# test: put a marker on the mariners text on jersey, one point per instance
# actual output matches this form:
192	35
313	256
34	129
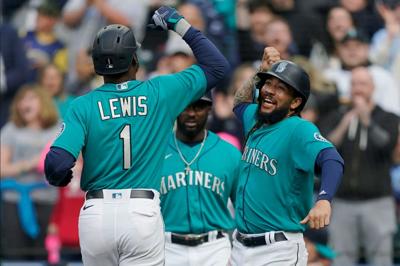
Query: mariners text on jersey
260	159
123	106
195	178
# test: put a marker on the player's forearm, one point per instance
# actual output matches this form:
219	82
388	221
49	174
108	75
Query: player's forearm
332	166
58	165
209	58
245	93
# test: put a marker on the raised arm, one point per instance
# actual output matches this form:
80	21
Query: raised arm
245	93
209	58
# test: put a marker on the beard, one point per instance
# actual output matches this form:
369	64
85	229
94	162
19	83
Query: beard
191	133
273	117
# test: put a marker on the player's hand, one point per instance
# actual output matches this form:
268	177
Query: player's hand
270	56
165	18
319	216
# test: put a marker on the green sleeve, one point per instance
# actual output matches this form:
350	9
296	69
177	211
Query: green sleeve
180	89
73	130
249	118
307	142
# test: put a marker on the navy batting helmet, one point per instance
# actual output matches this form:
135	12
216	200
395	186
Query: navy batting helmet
289	73
114	49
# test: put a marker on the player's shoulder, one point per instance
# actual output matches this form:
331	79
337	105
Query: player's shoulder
193	69
300	122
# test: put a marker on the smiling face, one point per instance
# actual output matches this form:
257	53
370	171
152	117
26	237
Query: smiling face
277	100
29	107
339	23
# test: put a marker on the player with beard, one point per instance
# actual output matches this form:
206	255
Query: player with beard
282	154
199	176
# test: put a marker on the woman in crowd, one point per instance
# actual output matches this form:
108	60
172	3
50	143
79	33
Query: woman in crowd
26	199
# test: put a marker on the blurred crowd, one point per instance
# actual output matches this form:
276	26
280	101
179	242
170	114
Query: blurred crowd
350	48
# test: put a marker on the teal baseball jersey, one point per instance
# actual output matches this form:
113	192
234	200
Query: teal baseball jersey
277	174
196	202
122	129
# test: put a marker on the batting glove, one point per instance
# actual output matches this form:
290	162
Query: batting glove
167	18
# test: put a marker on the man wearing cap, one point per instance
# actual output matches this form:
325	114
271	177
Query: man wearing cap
282	154
199	176
353	52
42	45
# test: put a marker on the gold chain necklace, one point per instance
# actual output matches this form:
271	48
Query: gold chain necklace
188	164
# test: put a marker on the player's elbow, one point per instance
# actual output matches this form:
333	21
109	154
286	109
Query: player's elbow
222	70
57	167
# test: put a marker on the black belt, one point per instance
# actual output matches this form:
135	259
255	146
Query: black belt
135	193
193	240
254	241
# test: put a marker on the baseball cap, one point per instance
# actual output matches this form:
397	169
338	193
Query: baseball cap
206	97
356	34
49	8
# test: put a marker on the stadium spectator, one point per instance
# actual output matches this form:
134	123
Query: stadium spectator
386	42
279	35
13	68
85	17
252	19
62	240
220	26
364	15
364	208
305	26
338	22
42	44
51	80
25	195
353	52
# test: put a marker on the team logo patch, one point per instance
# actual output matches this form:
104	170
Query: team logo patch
319	137
122	86
61	130
281	67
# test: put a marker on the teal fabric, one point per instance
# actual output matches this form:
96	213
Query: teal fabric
196	202
122	129
277	174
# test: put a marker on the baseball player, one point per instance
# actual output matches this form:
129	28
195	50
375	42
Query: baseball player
199	175
122	129
275	189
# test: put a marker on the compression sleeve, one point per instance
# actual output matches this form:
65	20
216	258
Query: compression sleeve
58	165
331	166
209	58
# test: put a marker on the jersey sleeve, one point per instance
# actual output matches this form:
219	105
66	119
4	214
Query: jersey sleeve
180	89
72	134
307	142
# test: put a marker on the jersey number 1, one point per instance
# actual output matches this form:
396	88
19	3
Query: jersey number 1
125	135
